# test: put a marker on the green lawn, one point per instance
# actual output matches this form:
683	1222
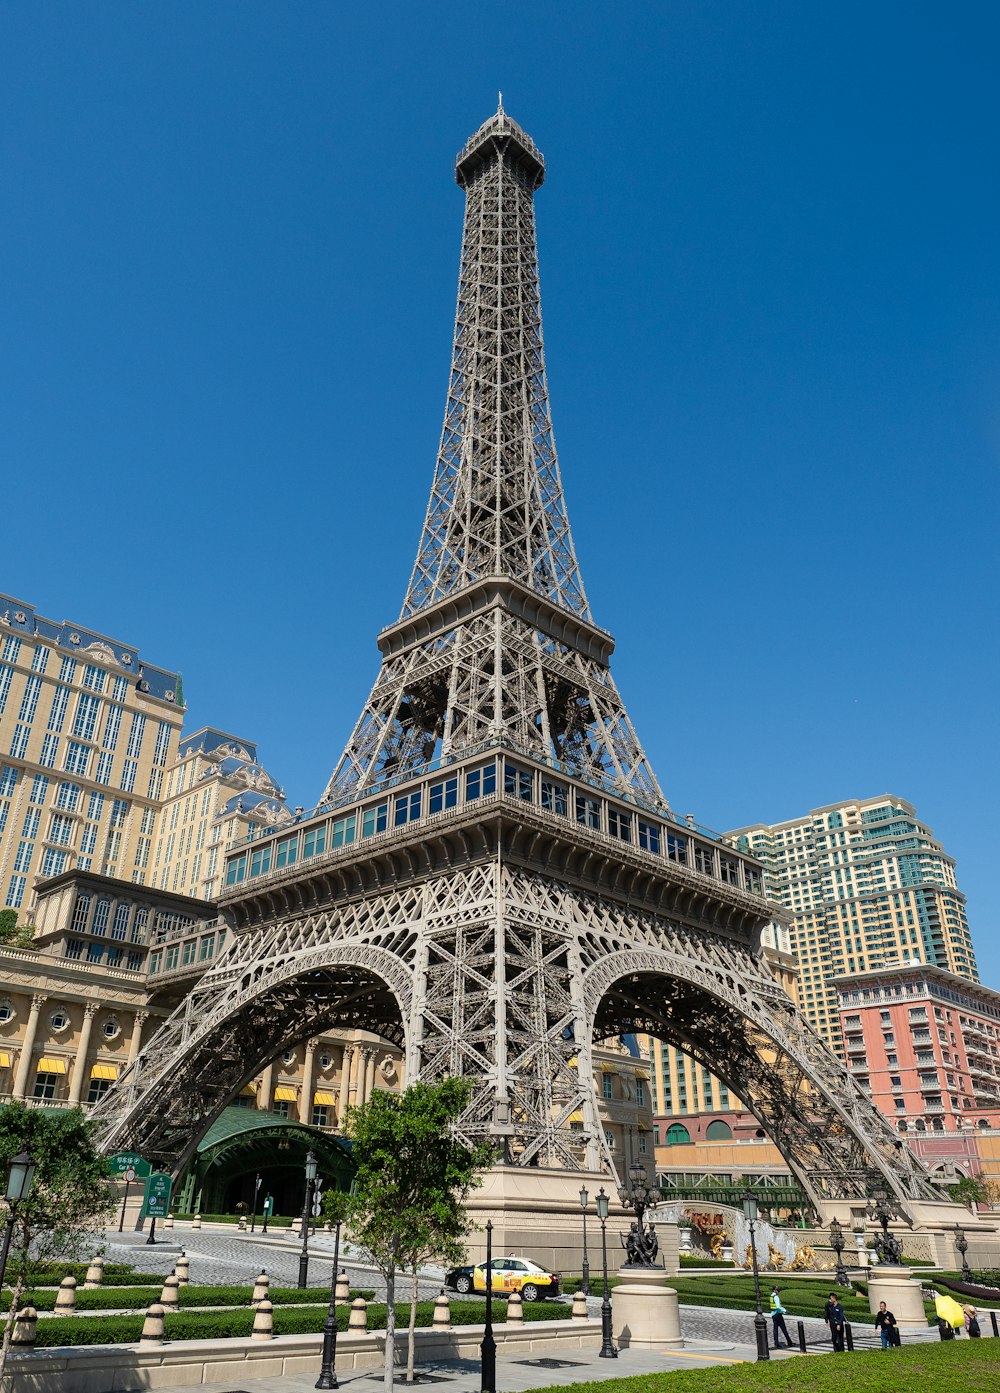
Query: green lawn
966	1366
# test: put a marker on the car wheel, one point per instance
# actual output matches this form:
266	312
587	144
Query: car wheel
529	1292
463	1284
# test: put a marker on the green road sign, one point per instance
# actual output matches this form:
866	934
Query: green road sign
269	1206
129	1166
156	1199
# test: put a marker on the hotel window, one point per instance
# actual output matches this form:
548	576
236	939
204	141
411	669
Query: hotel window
135	734
314	842
729	870
407	808
15	891
6	677
97	1090
374	820
11	648
162	746
188	952
95	807
119	929
102	911
286	852
649	836
85	719
444	795
120	690
677	849
19	744
642	1142
80	911
61	829
344	828
206	948
320	1116
68	797
8	780
112	726
40	660
555	798
516	781
77	759
236	869
260	860
588	811
22	858
94	678
29	702
119	812
640	1092
53	862
171	956
45	1085
480	783
620	824
88	842
67	670
129	770
39	789
704	860
607	1086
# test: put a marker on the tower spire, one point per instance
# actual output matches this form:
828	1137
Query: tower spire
495	641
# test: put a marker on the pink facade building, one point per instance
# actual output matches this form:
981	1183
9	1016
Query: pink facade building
926	1045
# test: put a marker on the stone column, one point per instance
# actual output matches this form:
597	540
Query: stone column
80	1071
266	1092
27	1046
369	1073
136	1041
345	1082
308	1071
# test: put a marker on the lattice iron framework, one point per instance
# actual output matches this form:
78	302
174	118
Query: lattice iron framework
536	894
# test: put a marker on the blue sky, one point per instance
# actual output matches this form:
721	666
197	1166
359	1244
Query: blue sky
228	252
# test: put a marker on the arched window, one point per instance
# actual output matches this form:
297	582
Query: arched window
901	1125
101	914
983	1122
718	1131
677	1134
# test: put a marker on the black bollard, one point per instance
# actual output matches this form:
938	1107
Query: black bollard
993	1322
802	1337
849	1336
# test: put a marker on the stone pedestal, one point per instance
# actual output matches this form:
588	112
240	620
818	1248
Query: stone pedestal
901	1294
646	1313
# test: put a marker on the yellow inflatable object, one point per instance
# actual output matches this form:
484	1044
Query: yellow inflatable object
949	1310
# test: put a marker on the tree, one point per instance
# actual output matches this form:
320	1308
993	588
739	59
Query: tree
71	1196
13	935
407	1203
972	1190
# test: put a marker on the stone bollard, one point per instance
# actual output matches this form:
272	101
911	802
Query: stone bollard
515	1309
182	1269
359	1314
168	1296
342	1294
242	1225
196	1222
442	1312
579	1306
168	1222
261	1287
295	1227
263	1322
66	1295
95	1274
152	1326
24	1327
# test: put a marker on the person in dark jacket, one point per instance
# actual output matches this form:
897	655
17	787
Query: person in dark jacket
885	1324
833	1314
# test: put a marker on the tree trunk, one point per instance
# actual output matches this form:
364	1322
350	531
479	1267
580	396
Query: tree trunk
8	1330
390	1324
410	1337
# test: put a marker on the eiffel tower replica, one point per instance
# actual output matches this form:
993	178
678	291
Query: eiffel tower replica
494	880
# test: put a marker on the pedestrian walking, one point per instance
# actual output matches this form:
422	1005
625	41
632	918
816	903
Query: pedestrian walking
833	1314
971	1321
885	1324
778	1313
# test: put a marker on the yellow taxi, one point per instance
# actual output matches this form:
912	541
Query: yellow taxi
517	1274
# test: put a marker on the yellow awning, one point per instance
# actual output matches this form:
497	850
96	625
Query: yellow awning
572	1063
608	1069
4	1060
326	1100
51	1066
284	1095
576	1117
642	1074
104	1071
248	1091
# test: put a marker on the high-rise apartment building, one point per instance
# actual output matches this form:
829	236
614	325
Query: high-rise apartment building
87	732
866	884
216	793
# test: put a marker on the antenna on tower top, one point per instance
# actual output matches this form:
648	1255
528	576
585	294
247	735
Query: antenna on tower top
499	101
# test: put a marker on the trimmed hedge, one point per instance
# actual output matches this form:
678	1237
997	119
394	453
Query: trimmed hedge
220	1325
138	1298
116	1274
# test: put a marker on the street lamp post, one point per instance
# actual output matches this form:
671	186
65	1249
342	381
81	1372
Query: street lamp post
256	1192
306	1215
328	1374
837	1242
267	1212
641	1245
880	1209
20	1173
488	1348
759	1322
584	1200
962	1244
608	1350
